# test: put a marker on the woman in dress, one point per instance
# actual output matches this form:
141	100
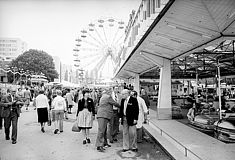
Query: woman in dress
85	115
42	106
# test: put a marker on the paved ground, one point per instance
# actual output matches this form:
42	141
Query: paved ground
34	145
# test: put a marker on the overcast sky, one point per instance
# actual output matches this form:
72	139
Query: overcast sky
52	25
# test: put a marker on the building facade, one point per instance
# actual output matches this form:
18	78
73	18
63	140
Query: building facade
10	48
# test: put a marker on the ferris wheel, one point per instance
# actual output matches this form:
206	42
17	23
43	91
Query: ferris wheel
98	47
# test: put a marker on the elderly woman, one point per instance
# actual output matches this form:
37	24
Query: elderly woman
104	114
42	105
85	115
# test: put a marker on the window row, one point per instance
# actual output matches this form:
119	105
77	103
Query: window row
7	45
8	40
8	49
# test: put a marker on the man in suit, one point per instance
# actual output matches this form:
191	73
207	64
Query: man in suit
129	113
104	114
10	113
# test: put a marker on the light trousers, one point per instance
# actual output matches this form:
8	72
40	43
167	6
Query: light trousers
129	136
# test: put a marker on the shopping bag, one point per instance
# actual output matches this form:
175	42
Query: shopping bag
75	127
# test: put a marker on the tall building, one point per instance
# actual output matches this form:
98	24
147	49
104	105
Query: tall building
10	48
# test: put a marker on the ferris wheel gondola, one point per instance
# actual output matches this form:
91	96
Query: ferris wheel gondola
98	47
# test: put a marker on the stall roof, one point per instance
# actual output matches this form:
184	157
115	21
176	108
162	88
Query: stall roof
182	28
203	63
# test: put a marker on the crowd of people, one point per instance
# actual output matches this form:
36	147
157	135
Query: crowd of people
111	106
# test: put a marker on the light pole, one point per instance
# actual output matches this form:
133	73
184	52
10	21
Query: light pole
13	70
26	78
21	72
219	91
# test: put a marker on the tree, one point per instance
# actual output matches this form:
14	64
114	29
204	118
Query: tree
37	62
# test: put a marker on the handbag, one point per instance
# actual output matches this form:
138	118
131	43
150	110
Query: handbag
75	127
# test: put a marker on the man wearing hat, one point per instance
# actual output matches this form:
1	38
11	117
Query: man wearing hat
10	113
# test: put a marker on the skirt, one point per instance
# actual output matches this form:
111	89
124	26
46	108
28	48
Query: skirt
85	119
42	115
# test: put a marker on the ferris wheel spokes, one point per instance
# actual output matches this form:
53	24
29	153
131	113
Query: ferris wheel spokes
101	62
90	55
88	63
101	43
99	47
115	35
99	36
89	49
90	43
105	36
116	42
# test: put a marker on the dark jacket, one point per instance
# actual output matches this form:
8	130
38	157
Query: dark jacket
105	108
90	105
132	110
7	107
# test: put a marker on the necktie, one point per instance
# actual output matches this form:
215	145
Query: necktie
116	97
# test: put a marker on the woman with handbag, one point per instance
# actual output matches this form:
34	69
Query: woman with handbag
85	115
42	106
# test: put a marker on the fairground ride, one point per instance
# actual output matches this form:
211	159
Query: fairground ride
98	49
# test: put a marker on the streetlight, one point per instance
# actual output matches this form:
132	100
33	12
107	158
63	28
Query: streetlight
219	91
21	72
26	78
13	70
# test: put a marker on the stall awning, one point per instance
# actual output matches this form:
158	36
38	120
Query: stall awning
182	28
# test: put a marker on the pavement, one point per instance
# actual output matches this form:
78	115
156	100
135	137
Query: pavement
32	144
184	142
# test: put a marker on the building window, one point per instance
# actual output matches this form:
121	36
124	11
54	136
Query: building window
158	3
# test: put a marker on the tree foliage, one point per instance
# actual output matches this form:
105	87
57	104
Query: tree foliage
37	62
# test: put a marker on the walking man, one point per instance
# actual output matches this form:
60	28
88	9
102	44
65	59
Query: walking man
129	113
69	98
59	107
27	96
10	113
